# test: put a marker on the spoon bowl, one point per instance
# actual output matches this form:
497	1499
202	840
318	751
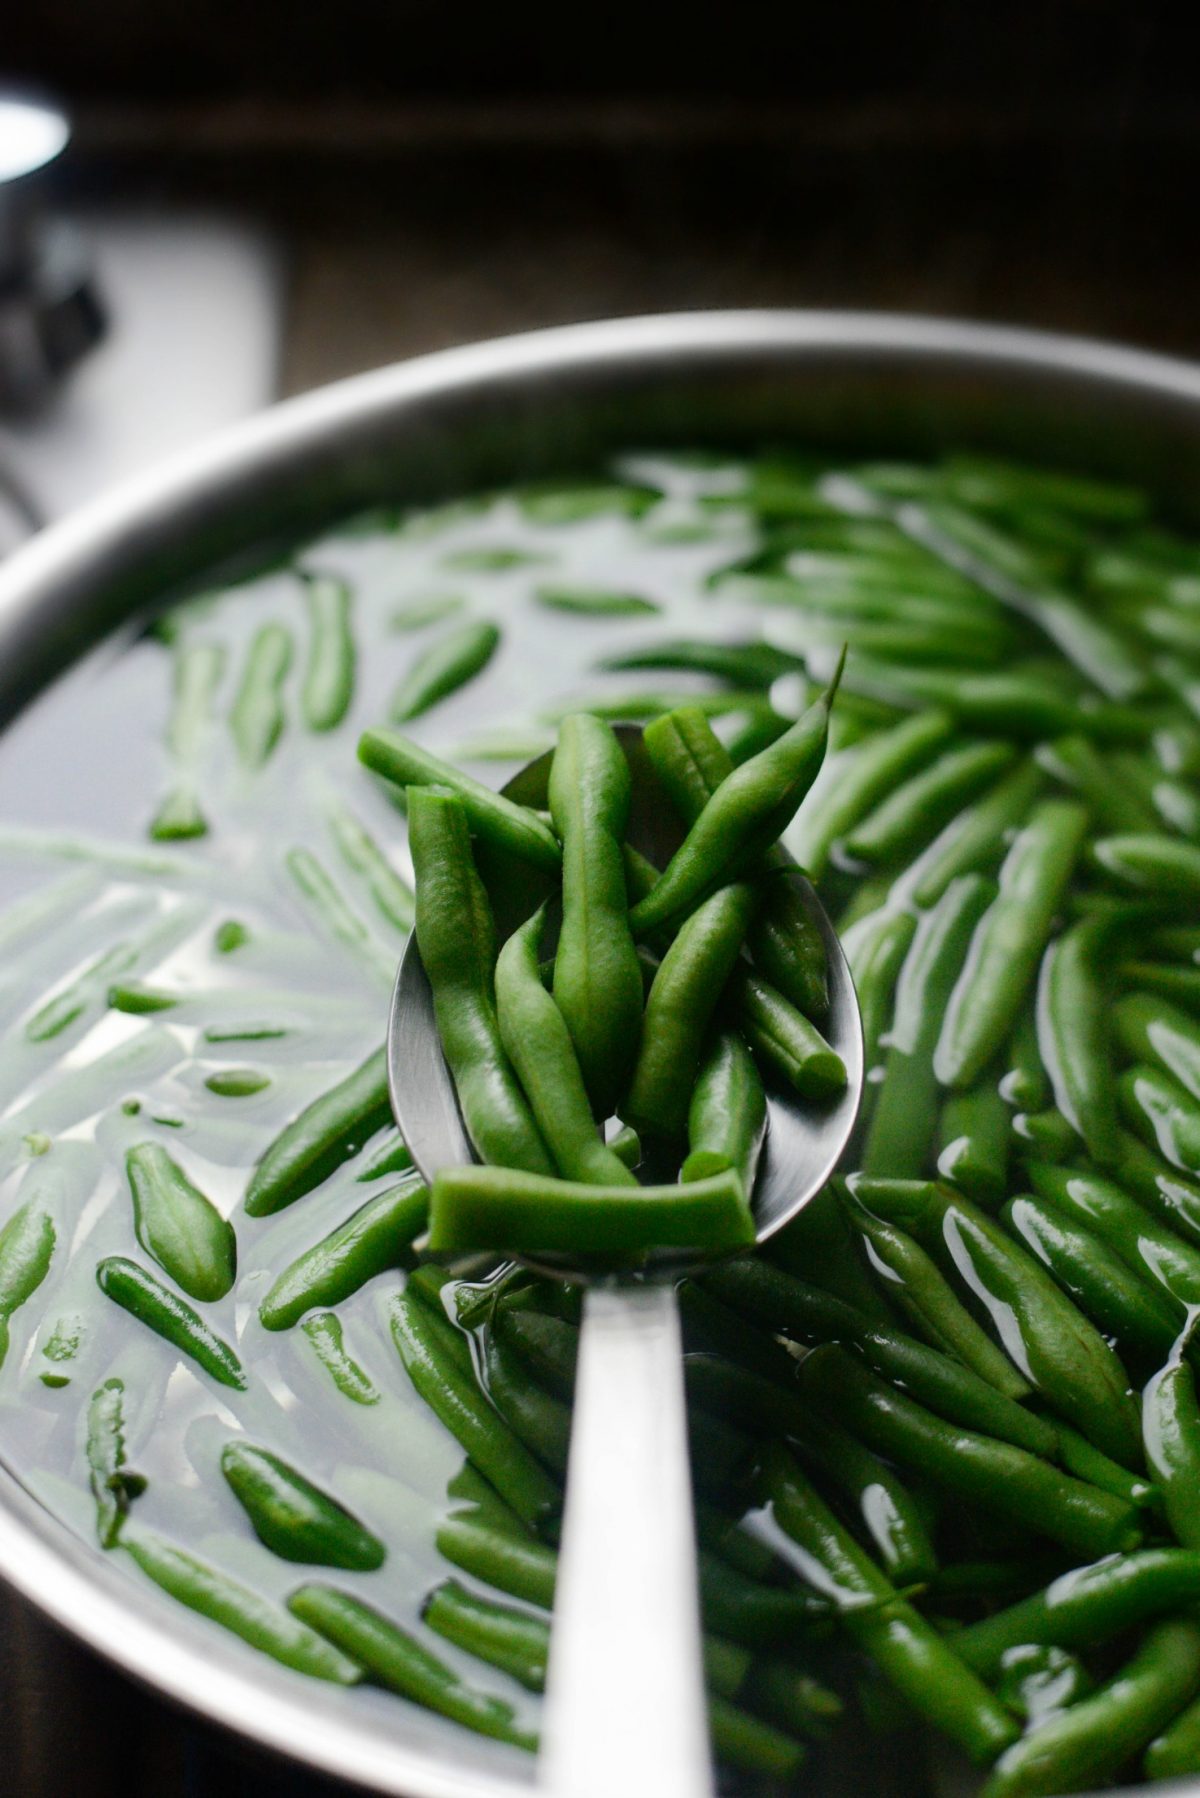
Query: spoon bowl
803	1144
625	1703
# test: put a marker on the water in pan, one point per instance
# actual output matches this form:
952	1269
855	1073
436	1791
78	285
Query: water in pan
294	996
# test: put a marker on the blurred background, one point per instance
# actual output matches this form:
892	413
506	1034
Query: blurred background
271	197
255	199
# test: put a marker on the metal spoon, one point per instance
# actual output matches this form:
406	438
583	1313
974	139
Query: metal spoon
625	1708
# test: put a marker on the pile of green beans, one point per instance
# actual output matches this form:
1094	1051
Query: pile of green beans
540	1073
944	1432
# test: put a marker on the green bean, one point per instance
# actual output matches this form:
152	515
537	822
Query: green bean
1179	985
155	1305
177	1225
974	841
114	1484
294	1518
743	1741
683	996
887	1510
390	1156
1088	1606
1073	1036
1151	1249
1038	1681
819	1241
1176	1751
495	1207
597	979
516	1565
328	683
925	1298
908	1651
504	745
1064	1358
912	814
491	816
783	1038
455	1398
327	1132
743	818
1166	1117
372	1239
558	502
397	1660
978	1469
898	1136
717	1328
1146	863
255	1619
1171	1432
1046	1134
973	1130
1166	627
596	602
324	1330
331	910
535	1036
690	762
876	948
1095	1276
1152	1031
626	1145
257	718
393	897
515	1641
444	667
457	941
27	1244
519	1644
864	595
1085	1461
1089	1742
1025	1086
237	1083
1008	942
229	936
549	1346
1168	801
985	481
430	608
729	1543
1173	1200
69	1002
197	672
1004	567
727	1113
797	1309
1076	764
138	999
742	664
734	1605
867	775
656	702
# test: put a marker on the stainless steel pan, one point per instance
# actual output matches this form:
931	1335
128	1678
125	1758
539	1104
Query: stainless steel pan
503	411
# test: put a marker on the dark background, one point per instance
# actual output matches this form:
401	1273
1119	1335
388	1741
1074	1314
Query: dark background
440	172
437	172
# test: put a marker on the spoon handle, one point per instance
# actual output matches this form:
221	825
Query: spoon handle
625	1707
